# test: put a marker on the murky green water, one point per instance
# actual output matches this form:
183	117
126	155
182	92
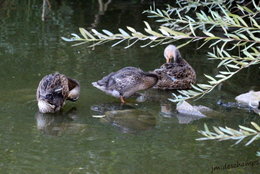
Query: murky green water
139	138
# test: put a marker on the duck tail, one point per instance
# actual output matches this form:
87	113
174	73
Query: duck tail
151	74
95	84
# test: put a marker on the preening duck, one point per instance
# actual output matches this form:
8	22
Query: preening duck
125	82
176	73
54	90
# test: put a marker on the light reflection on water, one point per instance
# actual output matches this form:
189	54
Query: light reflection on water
146	136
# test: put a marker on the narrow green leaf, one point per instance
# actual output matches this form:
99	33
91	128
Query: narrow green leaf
248	54
256	126
220	76
209	77
67	39
242	21
233	66
164	32
247	129
139	35
153	33
209	34
241	139
204	86
80	43
86	34
108	33
147	25
242	36
226	131
174	33
118	42
232	36
252	139
99	34
206	127
131	29
123	32
192	29
196	88
218	131
194	93
202	139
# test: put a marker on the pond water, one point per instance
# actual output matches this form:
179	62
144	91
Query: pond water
134	138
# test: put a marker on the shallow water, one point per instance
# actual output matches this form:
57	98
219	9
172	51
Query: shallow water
145	141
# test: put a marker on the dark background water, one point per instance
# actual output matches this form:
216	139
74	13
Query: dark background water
143	141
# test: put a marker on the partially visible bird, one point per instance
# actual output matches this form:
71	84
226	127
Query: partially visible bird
176	73
125	82
54	90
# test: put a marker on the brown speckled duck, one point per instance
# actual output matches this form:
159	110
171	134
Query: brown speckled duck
54	90
176	73
126	82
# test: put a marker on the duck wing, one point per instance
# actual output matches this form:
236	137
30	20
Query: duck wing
53	83
105	80
175	76
181	72
123	80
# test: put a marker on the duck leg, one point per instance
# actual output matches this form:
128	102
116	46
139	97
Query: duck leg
122	99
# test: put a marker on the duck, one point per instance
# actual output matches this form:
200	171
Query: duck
176	73
53	90
126	82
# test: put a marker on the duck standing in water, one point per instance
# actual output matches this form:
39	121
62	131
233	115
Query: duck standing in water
176	73
126	82
54	90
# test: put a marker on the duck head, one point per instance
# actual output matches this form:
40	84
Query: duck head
51	102
171	53
74	89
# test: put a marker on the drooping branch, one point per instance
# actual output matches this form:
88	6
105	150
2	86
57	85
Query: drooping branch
221	133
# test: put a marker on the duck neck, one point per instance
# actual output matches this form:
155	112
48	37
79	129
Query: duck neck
178	59
152	76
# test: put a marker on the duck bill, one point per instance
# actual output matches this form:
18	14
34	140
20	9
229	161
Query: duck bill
168	60
45	107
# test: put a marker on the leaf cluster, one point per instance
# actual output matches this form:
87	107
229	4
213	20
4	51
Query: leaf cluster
226	133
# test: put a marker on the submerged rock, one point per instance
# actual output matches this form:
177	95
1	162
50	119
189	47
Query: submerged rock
188	113
186	109
250	99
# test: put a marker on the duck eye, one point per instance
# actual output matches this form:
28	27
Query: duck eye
49	96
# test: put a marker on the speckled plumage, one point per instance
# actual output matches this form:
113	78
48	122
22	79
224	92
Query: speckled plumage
54	90
177	74
126	82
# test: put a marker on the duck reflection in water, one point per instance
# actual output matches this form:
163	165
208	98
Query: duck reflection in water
125	117
57	124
